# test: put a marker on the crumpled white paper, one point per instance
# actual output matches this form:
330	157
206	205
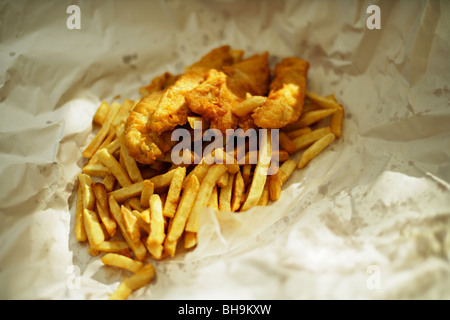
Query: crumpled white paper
368	219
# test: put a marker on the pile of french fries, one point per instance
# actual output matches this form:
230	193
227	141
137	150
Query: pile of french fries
126	210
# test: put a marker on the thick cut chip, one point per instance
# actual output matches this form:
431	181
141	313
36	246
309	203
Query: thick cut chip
173	195
315	149
130	163
142	277
260	174
137	247
103	132
238	192
147	191
114	166
121	261
323	102
183	210
80	232
226	193
86	189
309	138
131	224
102	206
156	237
212	176
286	169
94	230
102	113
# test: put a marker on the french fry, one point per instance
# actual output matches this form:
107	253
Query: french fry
80	232
260	174
298	132
238	192
323	102
86	189
181	215
93	228
142	277
109	182
131	224
264	200
226	193
199	171
147	190
212	176
190	239
283	155
223	181
143	224
213	201
309	106
286	169
336	122
112	246
102	133
145	214
128	192
95	169
309	138
102	113
230	161
246	173
120	261
102	206
123	113
275	186
248	105
314	116
135	204
316	148
162	180
113	165
173	195
130	164
286	143
156	237
137	247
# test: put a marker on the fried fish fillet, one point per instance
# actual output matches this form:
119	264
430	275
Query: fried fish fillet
215	98
172	109
286	97
144	145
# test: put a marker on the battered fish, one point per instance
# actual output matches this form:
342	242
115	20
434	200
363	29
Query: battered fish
215	98
142	144
172	109
286	97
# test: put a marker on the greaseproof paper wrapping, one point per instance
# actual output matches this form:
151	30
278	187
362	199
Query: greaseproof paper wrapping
368	219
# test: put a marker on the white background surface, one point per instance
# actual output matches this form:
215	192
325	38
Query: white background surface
368	219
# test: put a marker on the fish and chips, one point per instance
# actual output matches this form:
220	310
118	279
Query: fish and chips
135	201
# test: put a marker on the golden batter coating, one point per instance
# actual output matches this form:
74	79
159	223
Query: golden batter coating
142	144
172	109
286	97
215	98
